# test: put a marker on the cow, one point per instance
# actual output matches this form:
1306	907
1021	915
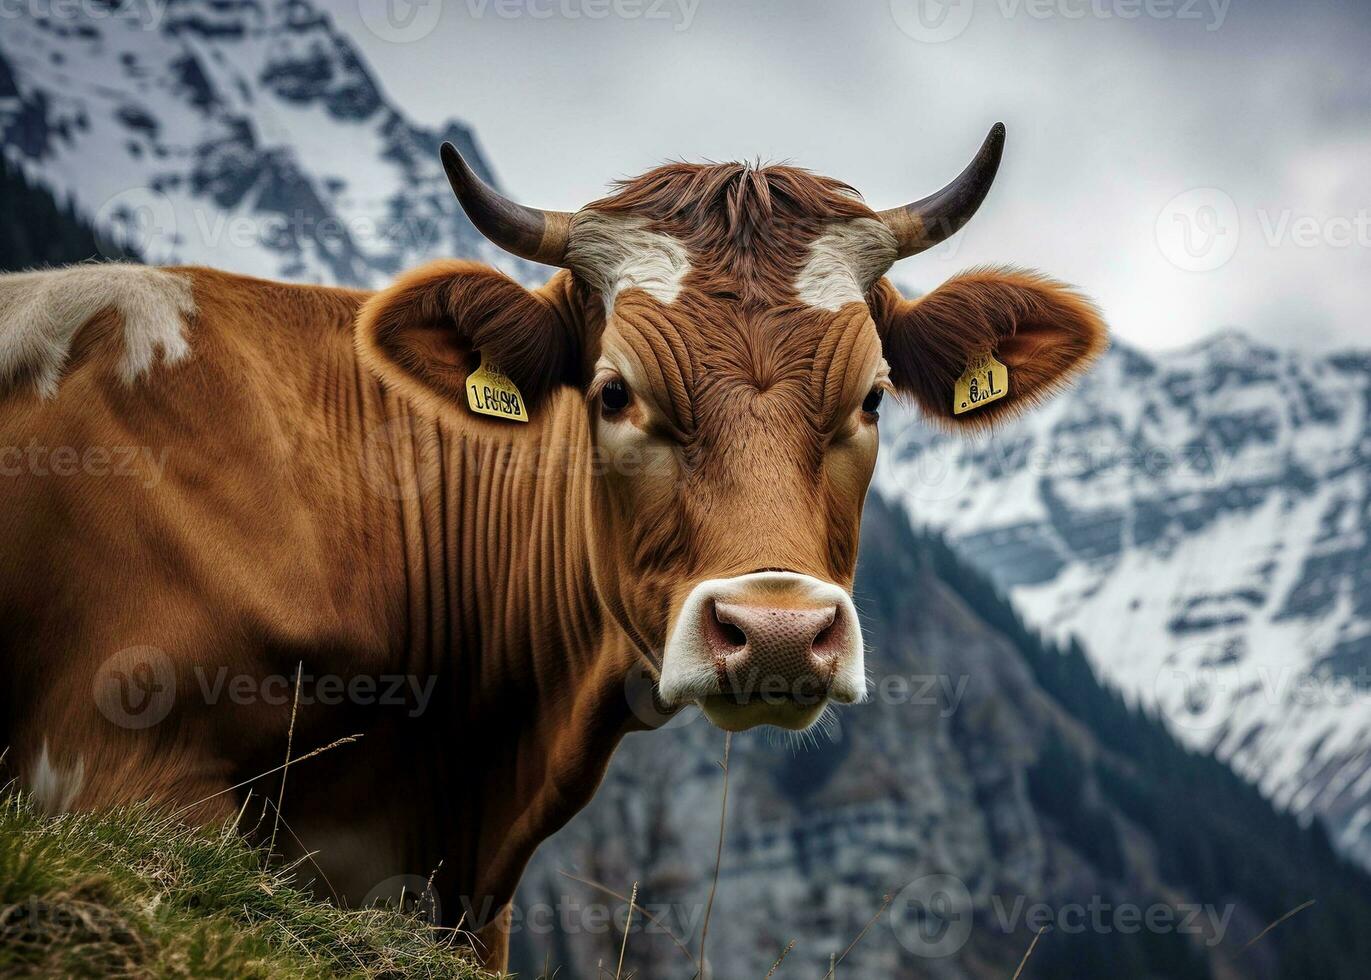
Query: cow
457	516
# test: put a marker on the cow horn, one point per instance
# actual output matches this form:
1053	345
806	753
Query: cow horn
935	218
540	236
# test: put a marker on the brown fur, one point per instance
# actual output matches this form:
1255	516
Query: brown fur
330	500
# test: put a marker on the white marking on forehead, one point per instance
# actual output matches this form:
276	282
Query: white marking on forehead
843	263
613	253
41	313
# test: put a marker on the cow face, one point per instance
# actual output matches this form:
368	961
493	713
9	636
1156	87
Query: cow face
734	341
737	424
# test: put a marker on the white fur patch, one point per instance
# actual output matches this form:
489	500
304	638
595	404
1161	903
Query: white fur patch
41	313
615	253
843	263
688	668
53	788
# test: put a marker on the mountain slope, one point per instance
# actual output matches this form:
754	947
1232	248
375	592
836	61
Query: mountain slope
242	134
991	786
1200	518
38	232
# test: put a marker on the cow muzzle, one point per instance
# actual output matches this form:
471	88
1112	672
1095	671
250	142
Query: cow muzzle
768	648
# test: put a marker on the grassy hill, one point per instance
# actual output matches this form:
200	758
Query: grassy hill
131	894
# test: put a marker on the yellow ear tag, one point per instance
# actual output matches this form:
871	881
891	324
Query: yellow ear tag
490	392
985	380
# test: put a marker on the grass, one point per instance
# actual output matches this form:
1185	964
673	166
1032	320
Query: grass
132	894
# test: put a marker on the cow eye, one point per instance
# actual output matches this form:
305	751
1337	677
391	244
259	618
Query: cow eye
873	400
613	397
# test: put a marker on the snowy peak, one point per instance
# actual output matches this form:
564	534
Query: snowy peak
246	135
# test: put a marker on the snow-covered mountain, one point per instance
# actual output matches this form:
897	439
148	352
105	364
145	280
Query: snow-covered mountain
245	134
1199	519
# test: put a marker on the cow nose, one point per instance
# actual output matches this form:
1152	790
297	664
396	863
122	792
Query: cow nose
766	648
775	633
763	650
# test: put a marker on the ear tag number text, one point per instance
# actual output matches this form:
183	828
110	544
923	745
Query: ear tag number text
491	392
985	380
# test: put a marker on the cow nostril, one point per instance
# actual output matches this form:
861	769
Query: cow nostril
825	638
732	634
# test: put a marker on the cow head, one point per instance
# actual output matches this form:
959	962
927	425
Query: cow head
733	336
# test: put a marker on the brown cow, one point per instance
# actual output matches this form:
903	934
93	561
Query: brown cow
219	491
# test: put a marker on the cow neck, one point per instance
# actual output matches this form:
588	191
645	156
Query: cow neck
490	533
498	579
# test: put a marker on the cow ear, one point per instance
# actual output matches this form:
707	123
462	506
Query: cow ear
1042	331
436	324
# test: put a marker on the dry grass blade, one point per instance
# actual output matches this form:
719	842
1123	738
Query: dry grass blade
346	740
308	855
628	922
645	913
285	771
777	965
1029	952
231	828
718	854
833	967
1296	910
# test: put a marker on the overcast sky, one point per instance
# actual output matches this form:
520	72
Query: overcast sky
1192	164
